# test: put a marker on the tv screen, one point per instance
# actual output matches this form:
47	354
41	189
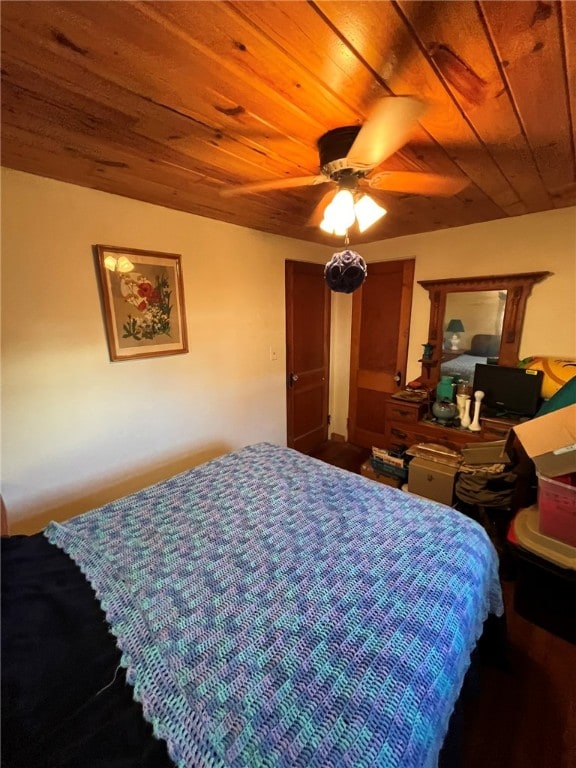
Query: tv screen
514	392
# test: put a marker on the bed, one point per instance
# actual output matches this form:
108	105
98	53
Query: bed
482	347
265	609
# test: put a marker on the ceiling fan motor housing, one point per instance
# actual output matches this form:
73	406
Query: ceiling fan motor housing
334	147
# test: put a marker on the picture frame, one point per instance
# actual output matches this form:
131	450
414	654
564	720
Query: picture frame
143	302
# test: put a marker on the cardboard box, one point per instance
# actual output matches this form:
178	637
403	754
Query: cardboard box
367	470
486	453
550	441
436	453
432	480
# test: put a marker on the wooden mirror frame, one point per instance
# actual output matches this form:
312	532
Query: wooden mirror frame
518	288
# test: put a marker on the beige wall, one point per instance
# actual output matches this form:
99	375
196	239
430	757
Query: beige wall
533	243
79	430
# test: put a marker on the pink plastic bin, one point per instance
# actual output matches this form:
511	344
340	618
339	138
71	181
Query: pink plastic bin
557	507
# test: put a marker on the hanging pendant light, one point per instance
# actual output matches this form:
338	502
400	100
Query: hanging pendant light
346	271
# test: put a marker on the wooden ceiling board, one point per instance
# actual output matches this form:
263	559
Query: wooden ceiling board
172	102
444	121
568	11
481	94
528	40
241	57
199	87
74	134
63	107
326	56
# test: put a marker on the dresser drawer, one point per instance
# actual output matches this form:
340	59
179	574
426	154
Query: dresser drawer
400	434
398	411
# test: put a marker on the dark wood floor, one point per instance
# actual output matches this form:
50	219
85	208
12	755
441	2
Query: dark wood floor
524	714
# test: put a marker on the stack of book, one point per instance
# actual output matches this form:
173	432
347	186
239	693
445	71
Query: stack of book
387	463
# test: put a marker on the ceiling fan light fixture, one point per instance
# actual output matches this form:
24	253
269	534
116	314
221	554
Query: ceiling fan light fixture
344	210
368	212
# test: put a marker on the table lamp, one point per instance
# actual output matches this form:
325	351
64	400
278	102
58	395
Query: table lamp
455	327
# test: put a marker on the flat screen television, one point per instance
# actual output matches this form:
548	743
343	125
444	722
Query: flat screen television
514	392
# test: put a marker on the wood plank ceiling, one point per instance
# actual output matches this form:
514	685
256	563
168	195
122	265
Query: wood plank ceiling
172	102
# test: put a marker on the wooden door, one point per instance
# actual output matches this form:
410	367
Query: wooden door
307	355
380	332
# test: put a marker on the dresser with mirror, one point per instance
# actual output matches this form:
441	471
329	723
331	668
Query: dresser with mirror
472	320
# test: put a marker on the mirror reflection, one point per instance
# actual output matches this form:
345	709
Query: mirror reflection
472	331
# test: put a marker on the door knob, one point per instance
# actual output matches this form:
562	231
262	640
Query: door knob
292	379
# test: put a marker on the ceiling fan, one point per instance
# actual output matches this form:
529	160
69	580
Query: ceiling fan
349	154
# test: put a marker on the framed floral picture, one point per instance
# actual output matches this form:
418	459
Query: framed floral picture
143	302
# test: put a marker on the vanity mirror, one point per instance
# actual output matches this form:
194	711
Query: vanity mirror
475	320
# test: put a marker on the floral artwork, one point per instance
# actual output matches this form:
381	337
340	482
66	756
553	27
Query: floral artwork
143	300
152	303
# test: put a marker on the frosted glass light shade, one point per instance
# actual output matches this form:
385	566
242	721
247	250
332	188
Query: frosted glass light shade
368	212
343	211
122	264
330	228
339	215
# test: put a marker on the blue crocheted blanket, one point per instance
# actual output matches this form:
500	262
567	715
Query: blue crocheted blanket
276	611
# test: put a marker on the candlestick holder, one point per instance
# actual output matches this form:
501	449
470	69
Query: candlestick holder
475	426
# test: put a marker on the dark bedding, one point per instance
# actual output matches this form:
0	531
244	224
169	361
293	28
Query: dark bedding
65	702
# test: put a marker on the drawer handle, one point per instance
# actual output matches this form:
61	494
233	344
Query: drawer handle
397	432
403	413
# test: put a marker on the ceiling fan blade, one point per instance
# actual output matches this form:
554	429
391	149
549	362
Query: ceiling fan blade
387	128
318	212
412	182
263	186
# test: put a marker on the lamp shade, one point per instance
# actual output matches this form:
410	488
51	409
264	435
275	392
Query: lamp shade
367	212
339	215
455	326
